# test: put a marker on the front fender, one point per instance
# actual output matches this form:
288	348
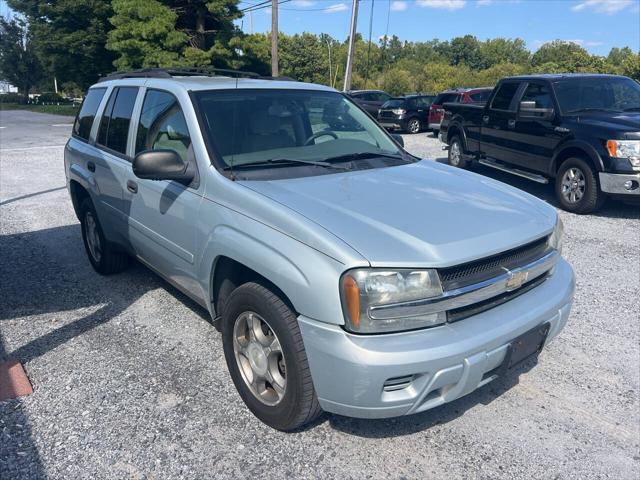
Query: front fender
307	277
581	145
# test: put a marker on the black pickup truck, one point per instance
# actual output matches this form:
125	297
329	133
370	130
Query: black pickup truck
583	130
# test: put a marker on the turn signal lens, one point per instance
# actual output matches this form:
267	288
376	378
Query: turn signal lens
352	300
611	146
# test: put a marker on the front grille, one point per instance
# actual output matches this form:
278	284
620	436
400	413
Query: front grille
386	114
490	267
476	308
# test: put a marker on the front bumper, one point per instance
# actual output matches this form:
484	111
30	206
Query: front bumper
390	124
614	183
434	126
444	363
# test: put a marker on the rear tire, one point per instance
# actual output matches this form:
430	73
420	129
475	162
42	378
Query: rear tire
273	381
456	154
577	188
104	257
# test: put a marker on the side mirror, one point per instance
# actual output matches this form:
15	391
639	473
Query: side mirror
528	110
161	165
398	138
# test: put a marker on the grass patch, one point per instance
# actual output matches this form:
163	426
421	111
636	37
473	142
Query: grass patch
66	110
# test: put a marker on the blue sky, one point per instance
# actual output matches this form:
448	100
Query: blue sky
597	25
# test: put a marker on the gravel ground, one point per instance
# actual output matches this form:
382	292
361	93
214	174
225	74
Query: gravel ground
130	381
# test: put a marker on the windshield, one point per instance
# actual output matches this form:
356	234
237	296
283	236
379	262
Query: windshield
271	128
394	103
615	94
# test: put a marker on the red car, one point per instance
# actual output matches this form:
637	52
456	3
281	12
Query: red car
457	95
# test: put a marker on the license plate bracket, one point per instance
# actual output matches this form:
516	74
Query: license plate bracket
527	345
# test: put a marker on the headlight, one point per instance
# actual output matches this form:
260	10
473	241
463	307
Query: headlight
555	239
364	288
399	111
629	149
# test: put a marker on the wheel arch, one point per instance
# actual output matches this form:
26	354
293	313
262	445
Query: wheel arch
576	149
78	193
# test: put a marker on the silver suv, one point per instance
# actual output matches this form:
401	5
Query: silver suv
345	274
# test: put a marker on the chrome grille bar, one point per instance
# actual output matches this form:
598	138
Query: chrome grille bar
470	294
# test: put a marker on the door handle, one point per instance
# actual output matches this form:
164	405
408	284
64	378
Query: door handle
132	186
91	166
511	123
485	119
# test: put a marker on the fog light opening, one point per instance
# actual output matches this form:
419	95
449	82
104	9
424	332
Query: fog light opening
630	185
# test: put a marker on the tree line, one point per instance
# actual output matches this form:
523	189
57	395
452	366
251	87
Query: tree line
77	42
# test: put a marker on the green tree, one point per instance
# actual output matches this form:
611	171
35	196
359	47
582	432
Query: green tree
559	52
631	67
18	62
503	50
617	56
463	51
149	33
69	37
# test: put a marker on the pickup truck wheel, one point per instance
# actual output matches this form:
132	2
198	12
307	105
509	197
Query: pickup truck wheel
266	358
577	187
413	125
104	257
456	154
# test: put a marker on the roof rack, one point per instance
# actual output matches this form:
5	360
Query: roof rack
187	72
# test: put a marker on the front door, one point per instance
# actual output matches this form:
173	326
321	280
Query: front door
535	139
163	214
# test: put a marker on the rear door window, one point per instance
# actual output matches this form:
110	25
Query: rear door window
84	120
504	96
480	97
116	118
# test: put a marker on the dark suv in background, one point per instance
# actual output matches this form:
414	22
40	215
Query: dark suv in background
370	100
458	95
409	113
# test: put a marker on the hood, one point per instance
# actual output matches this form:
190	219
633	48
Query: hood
624	123
418	215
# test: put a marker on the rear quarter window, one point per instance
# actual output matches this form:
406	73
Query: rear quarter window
86	115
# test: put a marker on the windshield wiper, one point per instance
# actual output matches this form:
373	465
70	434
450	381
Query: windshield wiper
282	161
362	156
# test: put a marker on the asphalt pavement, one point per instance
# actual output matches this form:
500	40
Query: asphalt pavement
130	381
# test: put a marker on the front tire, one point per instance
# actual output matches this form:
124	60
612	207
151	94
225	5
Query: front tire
266	358
104	257
577	188
456	154
413	125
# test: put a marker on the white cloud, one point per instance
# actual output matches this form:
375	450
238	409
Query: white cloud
399	5
608	7
442	4
485	2
578	41
338	7
304	3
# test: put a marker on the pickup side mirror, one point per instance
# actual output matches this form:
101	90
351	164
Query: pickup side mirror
528	110
162	165
398	138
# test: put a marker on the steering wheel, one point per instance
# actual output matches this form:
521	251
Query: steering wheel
318	135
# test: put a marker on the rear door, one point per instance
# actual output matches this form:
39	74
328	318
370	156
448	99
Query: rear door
111	159
535	139
499	121
423	109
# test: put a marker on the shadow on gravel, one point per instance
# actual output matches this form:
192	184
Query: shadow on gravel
19	457
399	426
611	209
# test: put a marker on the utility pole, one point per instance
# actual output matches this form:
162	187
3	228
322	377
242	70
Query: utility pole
352	44
274	38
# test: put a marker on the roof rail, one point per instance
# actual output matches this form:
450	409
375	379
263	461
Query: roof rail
187	72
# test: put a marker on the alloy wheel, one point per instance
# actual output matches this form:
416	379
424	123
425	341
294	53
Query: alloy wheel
573	185
92	236
260	358
414	126
454	154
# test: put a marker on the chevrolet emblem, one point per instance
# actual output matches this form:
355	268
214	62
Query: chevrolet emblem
516	279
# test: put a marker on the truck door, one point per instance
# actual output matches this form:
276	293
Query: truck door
535	135
499	121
